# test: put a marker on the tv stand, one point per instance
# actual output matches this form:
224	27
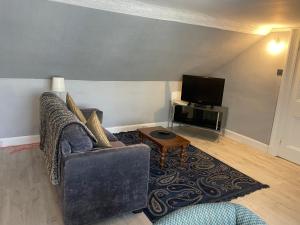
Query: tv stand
212	118
199	105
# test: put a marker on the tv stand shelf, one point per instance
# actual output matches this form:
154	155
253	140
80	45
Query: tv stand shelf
205	117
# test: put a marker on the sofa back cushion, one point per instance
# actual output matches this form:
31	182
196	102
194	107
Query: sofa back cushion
75	139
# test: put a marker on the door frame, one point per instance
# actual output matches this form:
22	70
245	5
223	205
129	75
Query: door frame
285	92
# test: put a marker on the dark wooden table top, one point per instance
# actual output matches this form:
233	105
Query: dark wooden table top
173	142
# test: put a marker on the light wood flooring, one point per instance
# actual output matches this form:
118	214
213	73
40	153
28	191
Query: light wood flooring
28	198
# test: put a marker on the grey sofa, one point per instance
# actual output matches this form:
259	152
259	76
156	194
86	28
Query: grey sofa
99	183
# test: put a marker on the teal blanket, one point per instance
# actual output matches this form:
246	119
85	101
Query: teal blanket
212	214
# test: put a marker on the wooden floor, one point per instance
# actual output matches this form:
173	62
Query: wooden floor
28	198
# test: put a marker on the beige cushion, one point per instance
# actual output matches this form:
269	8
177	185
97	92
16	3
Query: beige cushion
73	107
95	126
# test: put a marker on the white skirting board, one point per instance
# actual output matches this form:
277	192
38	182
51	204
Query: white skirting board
246	140
5	142
135	126
22	140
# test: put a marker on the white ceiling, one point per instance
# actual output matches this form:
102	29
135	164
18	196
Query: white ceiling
248	16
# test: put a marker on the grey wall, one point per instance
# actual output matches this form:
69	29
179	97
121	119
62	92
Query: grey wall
42	38
19	111
252	88
126	102
123	102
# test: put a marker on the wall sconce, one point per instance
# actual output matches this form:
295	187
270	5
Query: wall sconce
58	87
275	46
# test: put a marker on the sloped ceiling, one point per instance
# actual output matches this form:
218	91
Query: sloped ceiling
40	39
262	15
252	16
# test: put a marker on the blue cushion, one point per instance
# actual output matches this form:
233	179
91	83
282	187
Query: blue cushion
212	214
245	217
75	138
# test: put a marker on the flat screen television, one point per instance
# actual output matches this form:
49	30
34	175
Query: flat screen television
202	90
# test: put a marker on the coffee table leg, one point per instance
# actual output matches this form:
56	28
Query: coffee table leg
163	155
183	154
141	137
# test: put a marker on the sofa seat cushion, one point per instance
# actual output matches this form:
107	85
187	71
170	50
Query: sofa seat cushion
116	144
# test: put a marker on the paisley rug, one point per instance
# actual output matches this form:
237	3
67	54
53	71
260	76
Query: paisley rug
201	179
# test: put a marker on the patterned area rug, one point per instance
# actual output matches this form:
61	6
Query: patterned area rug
201	179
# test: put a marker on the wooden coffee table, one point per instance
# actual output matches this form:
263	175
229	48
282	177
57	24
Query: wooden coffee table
166	144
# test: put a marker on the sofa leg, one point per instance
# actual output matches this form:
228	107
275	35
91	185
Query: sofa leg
137	211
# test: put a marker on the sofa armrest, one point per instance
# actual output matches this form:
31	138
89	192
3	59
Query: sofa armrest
88	111
104	182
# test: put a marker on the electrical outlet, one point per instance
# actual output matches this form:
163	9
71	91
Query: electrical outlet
279	72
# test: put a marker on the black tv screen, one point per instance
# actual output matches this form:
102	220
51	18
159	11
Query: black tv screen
202	90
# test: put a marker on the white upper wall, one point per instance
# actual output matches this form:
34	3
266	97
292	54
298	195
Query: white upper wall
123	102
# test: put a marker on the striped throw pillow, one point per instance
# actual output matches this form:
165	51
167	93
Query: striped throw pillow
95	126
73	107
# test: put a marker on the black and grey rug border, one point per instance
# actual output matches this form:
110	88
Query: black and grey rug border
206	180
